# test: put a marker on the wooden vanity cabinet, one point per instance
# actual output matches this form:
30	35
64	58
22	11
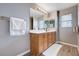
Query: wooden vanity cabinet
49	39
45	44
34	44
40	42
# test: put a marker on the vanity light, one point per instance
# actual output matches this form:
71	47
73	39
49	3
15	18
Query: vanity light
43	11
40	10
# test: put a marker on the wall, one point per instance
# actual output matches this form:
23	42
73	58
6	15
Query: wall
78	25
53	15
13	45
66	34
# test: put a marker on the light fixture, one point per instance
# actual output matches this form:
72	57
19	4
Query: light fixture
42	10
38	8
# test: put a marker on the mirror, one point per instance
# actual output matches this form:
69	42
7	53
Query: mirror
40	21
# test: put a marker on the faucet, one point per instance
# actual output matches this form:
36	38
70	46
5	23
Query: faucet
45	29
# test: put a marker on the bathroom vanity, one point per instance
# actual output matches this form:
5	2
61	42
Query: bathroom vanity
42	31
41	40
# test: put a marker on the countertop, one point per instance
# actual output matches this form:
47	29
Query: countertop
42	31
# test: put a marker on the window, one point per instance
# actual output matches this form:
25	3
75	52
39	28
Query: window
66	20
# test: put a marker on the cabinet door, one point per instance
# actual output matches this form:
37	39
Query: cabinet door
54	37
49	38
45	41
41	44
34	44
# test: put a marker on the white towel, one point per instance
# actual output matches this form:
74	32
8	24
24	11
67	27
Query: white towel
17	26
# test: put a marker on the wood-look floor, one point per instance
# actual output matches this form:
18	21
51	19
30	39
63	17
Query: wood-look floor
65	50
68	51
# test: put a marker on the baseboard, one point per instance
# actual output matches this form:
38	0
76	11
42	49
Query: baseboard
57	41
21	54
69	44
78	49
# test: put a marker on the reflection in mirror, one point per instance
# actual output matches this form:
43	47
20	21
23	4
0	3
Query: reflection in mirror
36	18
40	21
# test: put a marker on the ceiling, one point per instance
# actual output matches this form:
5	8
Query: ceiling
55	6
50	7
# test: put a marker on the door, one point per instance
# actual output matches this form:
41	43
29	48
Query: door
31	23
68	26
